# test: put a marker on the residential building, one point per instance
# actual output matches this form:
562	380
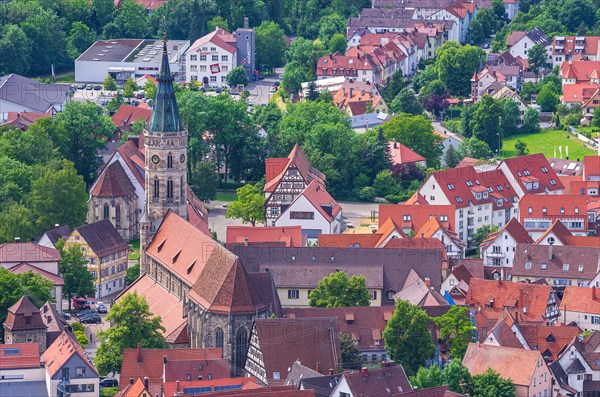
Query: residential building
576	370
364	324
579	93
580	306
419	292
24	324
127	114
20	94
129	58
135	389
365	122
164	366
537	216
289	236
499	248
439	391
558	265
412	217
106	253
493	299
55	323
591	170
519	42
12	254
531	174
21	371
559	235
22	120
356	103
462	274
228	385
566	48
506	92
566	167
486	82
401	155
580	71
433	228
113	198
69	370
390	380
550	341
50	237
462	13
396	262
56	280
322	386
360	67
511	8
210	58
531	377
273	349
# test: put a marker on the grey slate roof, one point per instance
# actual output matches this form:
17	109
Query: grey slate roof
322	385
32	94
368	120
165	117
298	372
59	232
576	367
103	238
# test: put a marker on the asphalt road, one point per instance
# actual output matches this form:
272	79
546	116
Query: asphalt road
260	91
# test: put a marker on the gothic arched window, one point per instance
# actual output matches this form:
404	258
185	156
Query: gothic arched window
118	215
219	338
170	161
182	190
106	211
156	188
170	189
241	349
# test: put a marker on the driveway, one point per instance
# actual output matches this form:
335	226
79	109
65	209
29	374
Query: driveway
260	91
443	130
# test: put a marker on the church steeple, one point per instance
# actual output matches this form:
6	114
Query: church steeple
165	117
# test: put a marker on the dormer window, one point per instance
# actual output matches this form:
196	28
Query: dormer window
458	199
450	186
544	266
527	265
576	210
544	210
406	218
469	183
565	267
552	182
580	269
530	210
544	170
526	173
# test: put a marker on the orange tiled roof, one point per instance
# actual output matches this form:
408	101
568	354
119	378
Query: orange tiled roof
127	114
291	236
591	167
28	356
316	194
581	299
276	168
61	351
419	214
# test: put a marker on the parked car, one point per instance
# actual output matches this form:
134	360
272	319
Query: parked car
97	88
273	89
101	308
234	92
81	87
85	312
218	90
350	225
139	95
88	87
81	304
109	382
93	318
66	316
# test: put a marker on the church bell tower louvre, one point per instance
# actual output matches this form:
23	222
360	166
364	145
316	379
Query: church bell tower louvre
165	147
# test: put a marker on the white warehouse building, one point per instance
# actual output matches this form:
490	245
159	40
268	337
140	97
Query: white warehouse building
125	58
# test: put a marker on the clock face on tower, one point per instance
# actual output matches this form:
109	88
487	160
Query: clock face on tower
155	159
182	158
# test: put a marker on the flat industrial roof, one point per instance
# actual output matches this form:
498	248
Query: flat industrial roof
133	50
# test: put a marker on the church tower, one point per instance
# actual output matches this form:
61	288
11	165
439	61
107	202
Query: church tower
165	145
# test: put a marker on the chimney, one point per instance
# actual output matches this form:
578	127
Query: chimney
245	241
364	371
177	386
550	251
131	381
330	55
318	367
164	377
139	352
521	298
146	382
246	23
427	282
351	92
330	371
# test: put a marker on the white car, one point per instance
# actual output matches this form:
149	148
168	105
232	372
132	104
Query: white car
350	225
273	89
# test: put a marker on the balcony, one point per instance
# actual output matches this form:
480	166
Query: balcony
495	254
470	214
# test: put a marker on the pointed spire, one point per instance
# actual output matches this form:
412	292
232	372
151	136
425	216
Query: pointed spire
165	117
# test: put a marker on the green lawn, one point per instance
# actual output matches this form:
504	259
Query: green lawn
66	77
135	250
544	142
109	391
226	196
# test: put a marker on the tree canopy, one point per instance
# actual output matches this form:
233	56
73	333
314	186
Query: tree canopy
339	290
73	268
14	286
249	206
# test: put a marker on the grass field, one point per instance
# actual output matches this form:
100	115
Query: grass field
545	142
108	391
135	250
226	196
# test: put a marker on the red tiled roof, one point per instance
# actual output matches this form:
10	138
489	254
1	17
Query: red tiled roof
61	351
516	231
514	37
401	154
134	158
112	182
23	120
27	252
172	391
419	214
181	247
468	162
139	363
23	315
512	295
133	390
578	93
218	37
274	336
127	114
28	356
480	357
559	230
357	321
316	194
362	240
276	169
581	299
579	70
279	391
440	391
590	47
549	340
291	236
26	267
380	382
345	64
533	164
161	303
591	167
430	227
574	206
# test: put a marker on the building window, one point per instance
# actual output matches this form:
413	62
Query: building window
213	79
213	49
203	57
203	68
170	161
182	190
106	211
193	68
293	294
565	267
215	58
530	210
156	194
373	295
219	338
224	58
576	210
241	348
193	57
276	375
80	372
64	373
118	215
224	68
302	215
406	218
170	189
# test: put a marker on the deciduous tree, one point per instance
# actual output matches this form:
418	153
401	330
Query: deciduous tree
237	76
109	83
427	377
133	273
270	45
15	51
73	267
456	64
490	384
521	147
249	207
132	323
203	180
339	290
474	148
351	358
406	102
79	39
14	286
407	337
456	329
